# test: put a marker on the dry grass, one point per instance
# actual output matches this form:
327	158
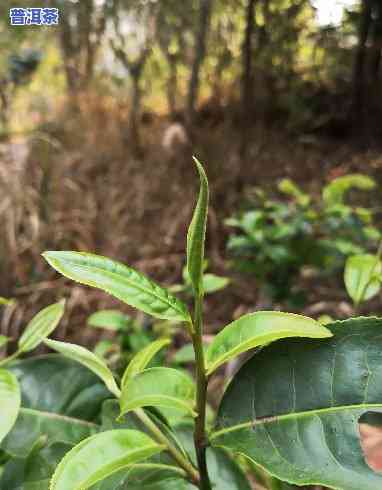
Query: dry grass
82	187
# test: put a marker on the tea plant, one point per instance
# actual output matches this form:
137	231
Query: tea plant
363	276
276	239
130	335
133	335
291	410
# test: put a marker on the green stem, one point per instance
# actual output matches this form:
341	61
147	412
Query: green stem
200	436
160	437
8	359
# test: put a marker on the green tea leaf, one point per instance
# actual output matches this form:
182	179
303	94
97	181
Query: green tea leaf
105	347
88	359
10	400
197	233
61	400
41	326
109	319
100	456
128	285
288	187
361	277
294	407
185	354
111	419
142	358
35	470
224	473
213	283
3	340
334	192
6	301
256	329
158	387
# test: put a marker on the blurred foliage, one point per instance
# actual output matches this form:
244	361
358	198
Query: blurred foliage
300	68
276	239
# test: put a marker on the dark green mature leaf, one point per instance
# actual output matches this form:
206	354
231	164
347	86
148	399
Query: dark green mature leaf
89	360
294	407
41	326
256	329
9	401
159	387
158	479
60	398
197	233
101	455
126	284
110	320
224	473
34	471
142	359
362	277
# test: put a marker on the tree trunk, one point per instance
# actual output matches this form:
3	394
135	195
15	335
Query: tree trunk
135	109
360	62
247	77
172	84
4	106
200	51
376	49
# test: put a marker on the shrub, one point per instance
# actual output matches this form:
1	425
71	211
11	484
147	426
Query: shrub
275	239
67	422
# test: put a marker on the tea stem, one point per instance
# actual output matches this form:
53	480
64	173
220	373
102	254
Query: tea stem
175	453
9	358
200	436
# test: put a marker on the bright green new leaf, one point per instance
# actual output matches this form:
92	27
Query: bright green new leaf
6	301
41	326
256	329
100	456
124	283
105	347
197	233
325	319
288	187
3	340
88	359
334	192
159	387
294	408
213	283
185	354
10	400
362	277
109	319
142	358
